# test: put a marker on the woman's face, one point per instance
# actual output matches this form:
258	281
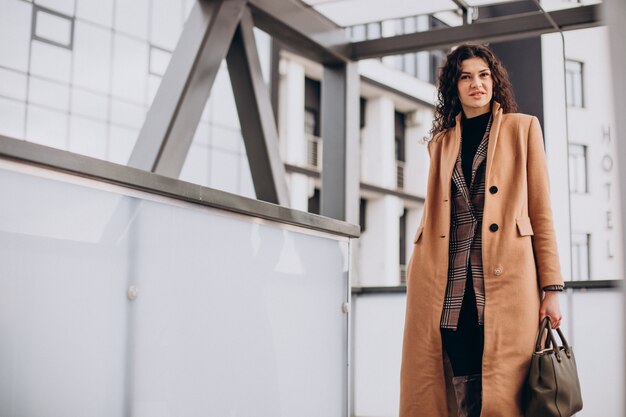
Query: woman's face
475	87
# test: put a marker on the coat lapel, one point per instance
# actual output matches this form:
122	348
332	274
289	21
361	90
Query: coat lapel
452	154
496	117
459	179
481	152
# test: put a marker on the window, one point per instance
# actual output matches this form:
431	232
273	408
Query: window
310	117
362	214
314	202
436	61
410	24
578	168
400	126
373	30
580	257
403	247
314	144
358	33
398	27
403	237
53	27
410	66
574	83
312	106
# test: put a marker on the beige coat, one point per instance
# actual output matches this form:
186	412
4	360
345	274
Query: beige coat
518	259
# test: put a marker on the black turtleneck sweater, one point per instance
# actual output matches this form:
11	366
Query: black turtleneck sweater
472	131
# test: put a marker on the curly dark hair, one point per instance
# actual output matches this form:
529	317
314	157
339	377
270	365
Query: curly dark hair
448	103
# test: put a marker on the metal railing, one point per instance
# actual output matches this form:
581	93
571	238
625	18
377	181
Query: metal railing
400	175
314	151
402	274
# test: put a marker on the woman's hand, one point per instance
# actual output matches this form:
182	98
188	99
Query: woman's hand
550	307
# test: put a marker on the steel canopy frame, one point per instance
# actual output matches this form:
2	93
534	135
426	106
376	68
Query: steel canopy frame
302	29
340	133
173	117
520	26
166	136
254	107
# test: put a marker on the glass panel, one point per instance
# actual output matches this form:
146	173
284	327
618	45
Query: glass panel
232	315
47	127
49	94
50	61
92	56
15	21
61	6
159	60
132	18
97	11
12	114
166	22
12	84
54	28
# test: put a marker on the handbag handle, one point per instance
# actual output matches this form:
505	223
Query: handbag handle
546	325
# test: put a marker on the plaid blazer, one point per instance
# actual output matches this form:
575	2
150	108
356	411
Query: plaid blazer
465	250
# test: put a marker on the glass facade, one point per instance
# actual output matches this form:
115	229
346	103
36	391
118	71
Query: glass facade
80	75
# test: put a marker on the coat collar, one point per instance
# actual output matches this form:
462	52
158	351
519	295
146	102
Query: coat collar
458	176
496	116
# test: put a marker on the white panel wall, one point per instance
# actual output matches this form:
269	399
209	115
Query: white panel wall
234	316
377	340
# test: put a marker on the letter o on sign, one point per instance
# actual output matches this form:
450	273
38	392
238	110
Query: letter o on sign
607	163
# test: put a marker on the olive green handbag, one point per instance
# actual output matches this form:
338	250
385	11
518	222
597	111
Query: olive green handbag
552	388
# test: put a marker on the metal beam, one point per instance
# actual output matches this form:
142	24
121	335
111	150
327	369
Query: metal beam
301	28
33	154
254	107
340	133
518	26
466	9
172	119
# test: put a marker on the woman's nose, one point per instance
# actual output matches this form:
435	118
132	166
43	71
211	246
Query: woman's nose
476	82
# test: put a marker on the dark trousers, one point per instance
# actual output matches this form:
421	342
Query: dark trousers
464	345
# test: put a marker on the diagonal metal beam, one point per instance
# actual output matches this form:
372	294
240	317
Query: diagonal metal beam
254	107
519	26
301	28
340	133
172	119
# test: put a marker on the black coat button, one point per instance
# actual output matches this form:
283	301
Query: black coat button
493	227
493	189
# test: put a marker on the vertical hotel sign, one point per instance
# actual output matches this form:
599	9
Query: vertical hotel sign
607	167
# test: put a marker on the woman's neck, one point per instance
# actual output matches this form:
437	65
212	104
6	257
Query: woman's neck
471	112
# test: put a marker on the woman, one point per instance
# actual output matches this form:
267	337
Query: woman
485	266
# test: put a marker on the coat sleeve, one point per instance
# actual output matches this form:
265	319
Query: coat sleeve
540	211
